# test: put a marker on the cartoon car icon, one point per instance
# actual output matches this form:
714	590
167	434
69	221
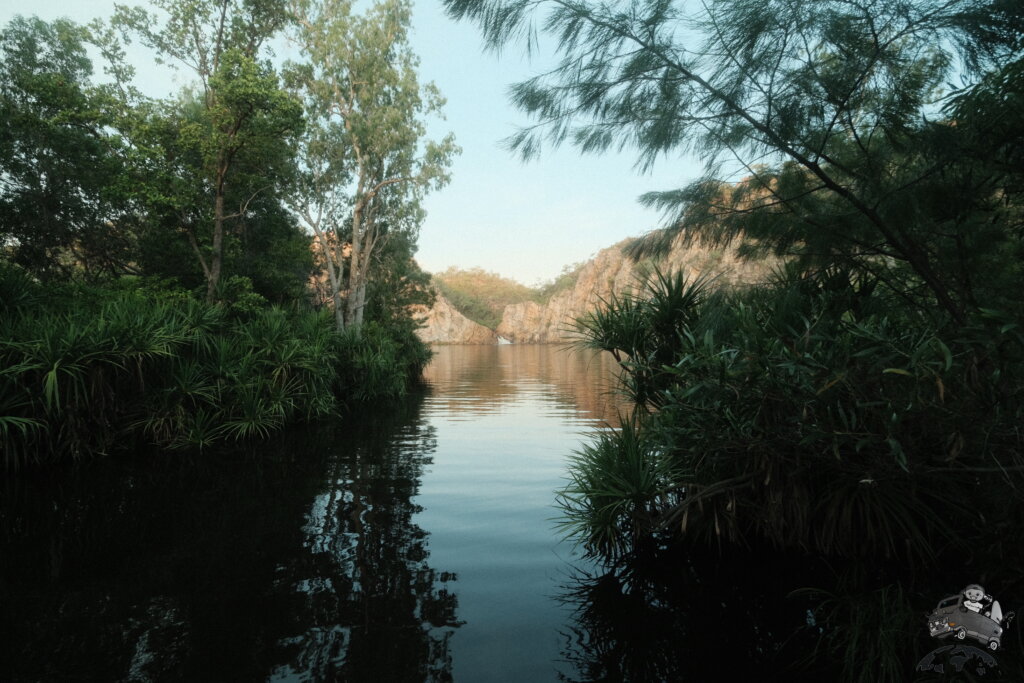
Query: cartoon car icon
952	618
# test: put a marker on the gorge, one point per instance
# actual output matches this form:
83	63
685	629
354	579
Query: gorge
607	273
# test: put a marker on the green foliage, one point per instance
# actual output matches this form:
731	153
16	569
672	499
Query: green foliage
869	633
482	296
104	370
396	284
814	413
126	207
224	144
642	329
375	364
60	165
618	485
838	114
864	405
366	161
566	280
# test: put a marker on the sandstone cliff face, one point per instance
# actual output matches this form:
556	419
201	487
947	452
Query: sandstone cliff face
533	323
445	325
610	272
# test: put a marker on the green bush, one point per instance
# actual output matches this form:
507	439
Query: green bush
98	370
814	413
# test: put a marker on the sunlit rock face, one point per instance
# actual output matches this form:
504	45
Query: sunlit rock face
532	323
445	325
610	272
605	275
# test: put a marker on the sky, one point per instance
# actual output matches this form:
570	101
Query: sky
521	220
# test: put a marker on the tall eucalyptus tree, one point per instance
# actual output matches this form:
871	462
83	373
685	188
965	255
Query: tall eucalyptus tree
365	161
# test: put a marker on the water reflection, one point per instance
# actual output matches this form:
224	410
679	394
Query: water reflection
480	379
377	610
692	616
304	563
412	543
507	417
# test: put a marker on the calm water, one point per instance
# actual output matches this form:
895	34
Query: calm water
416	543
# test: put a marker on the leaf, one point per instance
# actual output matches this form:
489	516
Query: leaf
947	356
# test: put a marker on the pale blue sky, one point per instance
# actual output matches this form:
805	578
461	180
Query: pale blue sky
524	221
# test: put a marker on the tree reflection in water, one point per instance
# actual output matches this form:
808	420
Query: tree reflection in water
300	562
379	611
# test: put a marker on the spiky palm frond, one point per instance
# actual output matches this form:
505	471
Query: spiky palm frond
617	485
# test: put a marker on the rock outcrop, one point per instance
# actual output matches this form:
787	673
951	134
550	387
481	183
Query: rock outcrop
608	273
605	275
445	325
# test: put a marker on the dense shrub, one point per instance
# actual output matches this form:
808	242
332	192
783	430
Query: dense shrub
812	413
818	416
92	371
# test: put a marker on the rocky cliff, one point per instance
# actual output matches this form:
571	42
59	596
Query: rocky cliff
445	325
608	273
611	272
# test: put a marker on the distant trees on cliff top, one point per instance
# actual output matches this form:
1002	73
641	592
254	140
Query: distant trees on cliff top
482	296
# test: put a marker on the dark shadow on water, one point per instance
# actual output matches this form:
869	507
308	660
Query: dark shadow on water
703	617
300	561
305	560
732	614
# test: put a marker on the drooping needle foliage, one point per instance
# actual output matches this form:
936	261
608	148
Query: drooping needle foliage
839	115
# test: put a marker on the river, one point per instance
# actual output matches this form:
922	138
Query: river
415	542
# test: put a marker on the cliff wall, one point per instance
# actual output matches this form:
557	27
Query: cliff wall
610	272
445	325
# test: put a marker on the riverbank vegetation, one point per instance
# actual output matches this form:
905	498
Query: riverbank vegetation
157	259
103	369
863	406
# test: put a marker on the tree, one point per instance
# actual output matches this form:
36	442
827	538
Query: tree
832	110
261	241
364	158
61	167
242	104
396	285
